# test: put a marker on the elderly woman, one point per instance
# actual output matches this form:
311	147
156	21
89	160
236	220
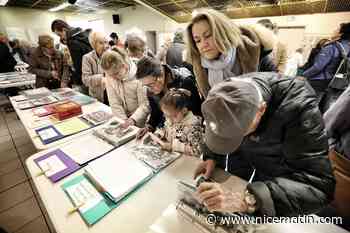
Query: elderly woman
47	64
92	72
219	49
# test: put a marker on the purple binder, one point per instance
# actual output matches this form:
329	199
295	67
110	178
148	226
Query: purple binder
71	166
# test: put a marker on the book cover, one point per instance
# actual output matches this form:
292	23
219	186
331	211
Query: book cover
114	134
82	99
98	117
44	101
37	93
154	156
56	165
91	203
43	111
49	134
66	110
25	105
71	126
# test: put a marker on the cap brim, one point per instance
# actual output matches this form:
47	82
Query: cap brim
221	145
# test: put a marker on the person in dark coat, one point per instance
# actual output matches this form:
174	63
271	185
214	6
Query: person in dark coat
174	56
47	64
7	62
273	133
77	41
327	62
159	79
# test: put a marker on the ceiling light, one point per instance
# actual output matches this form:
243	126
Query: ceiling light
3	2
60	7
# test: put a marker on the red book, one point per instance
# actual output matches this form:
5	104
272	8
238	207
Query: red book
66	110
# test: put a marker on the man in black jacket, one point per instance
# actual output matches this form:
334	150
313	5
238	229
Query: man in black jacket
159	79
77	41
271	127
7	62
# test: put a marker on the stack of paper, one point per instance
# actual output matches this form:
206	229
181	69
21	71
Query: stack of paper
118	173
37	93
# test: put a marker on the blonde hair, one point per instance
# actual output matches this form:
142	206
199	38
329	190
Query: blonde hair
114	58
225	34
93	38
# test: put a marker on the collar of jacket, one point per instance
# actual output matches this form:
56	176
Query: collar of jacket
40	53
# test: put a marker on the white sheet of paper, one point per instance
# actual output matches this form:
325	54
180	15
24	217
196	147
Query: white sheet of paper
53	164
86	148
118	172
47	133
39	111
84	192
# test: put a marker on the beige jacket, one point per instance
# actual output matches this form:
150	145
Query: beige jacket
127	97
92	75
280	56
189	132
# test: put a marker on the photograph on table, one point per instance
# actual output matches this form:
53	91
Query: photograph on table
115	134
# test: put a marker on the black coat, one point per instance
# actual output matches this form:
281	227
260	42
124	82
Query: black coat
177	81
7	62
78	45
289	151
174	55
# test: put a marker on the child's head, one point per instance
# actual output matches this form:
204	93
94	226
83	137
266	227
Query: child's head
115	63
174	104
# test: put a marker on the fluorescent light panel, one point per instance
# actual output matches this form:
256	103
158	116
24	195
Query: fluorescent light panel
3	2
59	7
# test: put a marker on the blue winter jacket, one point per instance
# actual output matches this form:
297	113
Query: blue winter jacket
326	61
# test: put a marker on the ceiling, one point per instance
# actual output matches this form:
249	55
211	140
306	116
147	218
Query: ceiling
181	10
81	6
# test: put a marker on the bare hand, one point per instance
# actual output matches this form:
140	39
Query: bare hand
54	74
215	198
64	84
127	123
206	168
142	132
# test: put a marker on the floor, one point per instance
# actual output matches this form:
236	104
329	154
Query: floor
20	208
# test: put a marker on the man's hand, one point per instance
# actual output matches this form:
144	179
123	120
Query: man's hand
215	198
206	168
128	123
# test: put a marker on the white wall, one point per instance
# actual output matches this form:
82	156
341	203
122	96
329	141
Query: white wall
321	24
31	22
39	21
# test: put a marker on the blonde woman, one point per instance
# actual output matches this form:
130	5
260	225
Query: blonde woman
219	49
126	95
92	72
